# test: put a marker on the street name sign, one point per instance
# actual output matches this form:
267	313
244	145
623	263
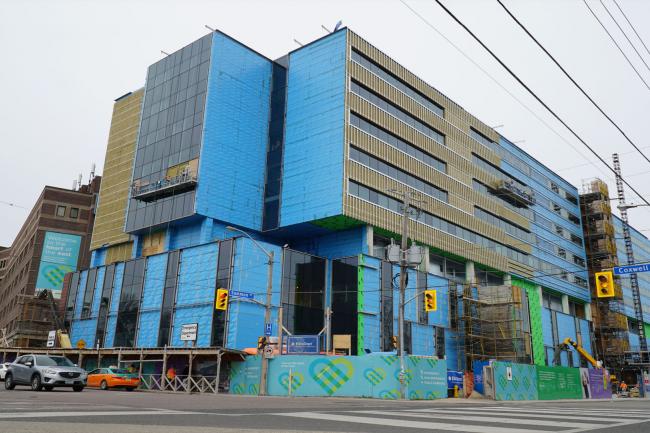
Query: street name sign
631	269
238	294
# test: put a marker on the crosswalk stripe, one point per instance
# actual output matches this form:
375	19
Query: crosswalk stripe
87	413
406	423
518	414
493	419
568	411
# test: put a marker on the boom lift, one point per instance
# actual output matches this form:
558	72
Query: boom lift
565	346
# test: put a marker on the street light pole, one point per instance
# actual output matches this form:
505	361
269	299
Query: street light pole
267	310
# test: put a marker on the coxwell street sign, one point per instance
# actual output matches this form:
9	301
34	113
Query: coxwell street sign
631	269
238	294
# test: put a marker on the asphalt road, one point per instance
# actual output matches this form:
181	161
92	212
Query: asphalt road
65	411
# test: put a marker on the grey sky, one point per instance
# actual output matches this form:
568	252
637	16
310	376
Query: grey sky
63	63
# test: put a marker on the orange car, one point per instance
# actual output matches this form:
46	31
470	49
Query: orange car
106	378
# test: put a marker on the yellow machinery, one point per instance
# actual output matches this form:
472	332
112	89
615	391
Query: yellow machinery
569	342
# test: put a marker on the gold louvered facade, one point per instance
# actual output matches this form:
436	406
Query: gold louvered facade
116	180
456	152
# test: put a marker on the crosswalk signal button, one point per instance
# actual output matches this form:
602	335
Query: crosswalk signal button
430	300
221	303
604	284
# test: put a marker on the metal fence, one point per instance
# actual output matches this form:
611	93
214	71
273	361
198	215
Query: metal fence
187	384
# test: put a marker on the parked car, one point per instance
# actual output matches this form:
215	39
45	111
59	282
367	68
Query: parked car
45	372
3	370
112	377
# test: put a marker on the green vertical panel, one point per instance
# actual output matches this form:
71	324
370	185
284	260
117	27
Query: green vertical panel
360	326
535	313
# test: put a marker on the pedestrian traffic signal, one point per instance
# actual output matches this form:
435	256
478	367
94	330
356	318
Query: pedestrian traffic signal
221	303
605	284
430	300
261	342
393	340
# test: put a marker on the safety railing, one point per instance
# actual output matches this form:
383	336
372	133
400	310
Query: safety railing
187	384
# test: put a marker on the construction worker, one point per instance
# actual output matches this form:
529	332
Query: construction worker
623	387
171	373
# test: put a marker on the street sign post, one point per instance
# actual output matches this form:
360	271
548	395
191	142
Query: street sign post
238	294
51	338
632	269
189	331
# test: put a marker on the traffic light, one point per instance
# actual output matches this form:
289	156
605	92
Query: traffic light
221	303
604	284
393	340
430	300
261	342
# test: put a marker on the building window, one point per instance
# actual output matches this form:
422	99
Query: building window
397	174
481	138
552	302
74	212
561	252
395	82
60	211
397	143
555	188
400	114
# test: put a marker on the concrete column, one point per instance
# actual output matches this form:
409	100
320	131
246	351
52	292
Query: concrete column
565	304
470	273
588	312
369	244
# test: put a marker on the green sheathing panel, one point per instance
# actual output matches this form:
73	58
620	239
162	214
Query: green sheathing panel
554	383
360	326
535	313
338	222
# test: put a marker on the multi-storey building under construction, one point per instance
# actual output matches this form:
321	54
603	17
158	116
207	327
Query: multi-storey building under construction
309	154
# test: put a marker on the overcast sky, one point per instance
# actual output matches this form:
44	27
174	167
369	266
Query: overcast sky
64	62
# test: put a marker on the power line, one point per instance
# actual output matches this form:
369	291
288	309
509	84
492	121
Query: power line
525	86
616	43
13	205
633	29
624	34
572	80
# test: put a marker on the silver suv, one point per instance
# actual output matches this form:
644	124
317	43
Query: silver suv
45	372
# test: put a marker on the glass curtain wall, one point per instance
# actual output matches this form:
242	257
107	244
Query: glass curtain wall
129	307
345	283
303	293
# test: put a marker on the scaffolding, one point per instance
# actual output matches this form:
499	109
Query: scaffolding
494	324
36	318
609	320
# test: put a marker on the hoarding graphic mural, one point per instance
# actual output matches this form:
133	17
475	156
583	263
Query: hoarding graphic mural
344	376
59	256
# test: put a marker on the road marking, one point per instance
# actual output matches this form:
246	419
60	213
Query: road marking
89	413
596	416
567	411
406	423
493	419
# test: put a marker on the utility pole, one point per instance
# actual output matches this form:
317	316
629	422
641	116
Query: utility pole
267	319
402	258
634	281
403	268
267	310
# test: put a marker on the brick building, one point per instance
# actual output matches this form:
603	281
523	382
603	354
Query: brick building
53	241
